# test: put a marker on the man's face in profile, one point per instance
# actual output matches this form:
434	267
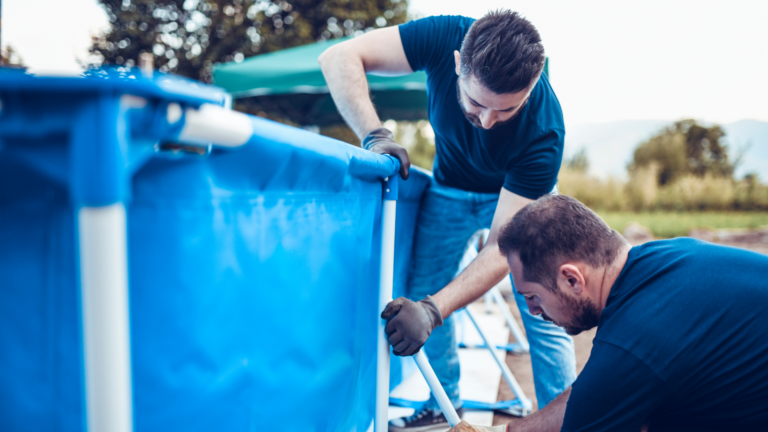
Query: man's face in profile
572	313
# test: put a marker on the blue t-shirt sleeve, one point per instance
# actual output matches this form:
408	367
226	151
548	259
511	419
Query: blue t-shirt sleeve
429	42
535	173
616	391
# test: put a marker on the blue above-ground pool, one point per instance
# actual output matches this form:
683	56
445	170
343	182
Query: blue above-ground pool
252	270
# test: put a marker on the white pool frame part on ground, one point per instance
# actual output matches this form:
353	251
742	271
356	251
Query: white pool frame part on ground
522	342
526	406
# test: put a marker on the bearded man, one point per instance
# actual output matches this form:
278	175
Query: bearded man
681	342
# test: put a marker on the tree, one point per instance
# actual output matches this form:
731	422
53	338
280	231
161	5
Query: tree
419	138
11	58
579	162
188	37
686	147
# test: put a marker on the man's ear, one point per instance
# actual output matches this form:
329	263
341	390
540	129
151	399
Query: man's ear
457	57
570	278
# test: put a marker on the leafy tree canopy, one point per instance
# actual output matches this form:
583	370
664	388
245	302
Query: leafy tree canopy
686	147
188	36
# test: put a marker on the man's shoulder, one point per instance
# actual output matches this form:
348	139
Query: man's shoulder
443	20
436	27
686	251
680	271
545	110
429	42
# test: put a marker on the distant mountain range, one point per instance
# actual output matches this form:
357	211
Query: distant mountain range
610	146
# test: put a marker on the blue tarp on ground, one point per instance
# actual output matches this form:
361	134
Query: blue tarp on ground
253	282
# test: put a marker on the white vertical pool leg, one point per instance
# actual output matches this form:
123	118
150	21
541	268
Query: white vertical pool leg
437	389
388	210
505	372
511	323
106	337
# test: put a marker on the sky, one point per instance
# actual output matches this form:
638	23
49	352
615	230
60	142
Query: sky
650	59
609	60
51	35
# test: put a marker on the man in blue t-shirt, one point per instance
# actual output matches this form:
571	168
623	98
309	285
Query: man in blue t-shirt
681	342
499	139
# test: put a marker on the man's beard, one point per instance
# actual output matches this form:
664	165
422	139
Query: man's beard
475	120
586	315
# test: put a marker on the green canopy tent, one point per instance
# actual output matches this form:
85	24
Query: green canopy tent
289	83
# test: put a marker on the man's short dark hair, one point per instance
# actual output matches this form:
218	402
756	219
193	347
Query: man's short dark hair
556	229
503	51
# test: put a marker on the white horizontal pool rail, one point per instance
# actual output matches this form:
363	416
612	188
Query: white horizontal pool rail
212	124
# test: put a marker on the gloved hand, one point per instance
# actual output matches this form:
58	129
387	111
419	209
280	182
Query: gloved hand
381	141
466	427
410	323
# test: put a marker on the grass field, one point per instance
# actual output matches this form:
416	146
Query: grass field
670	224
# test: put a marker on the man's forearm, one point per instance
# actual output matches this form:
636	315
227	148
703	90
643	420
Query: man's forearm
482	274
488	268
345	75
549	419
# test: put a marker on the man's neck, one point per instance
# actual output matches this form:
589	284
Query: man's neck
610	274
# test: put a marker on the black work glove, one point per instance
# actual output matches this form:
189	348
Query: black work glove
410	323
381	141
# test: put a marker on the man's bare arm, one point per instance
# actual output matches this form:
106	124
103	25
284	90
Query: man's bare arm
488	269
549	419
344	67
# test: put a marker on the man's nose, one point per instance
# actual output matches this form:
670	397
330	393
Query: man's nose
487	119
534	309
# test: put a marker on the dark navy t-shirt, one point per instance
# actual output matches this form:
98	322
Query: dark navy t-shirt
682	342
524	156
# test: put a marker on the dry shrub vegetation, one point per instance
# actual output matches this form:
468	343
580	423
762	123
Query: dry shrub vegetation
684	167
641	192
